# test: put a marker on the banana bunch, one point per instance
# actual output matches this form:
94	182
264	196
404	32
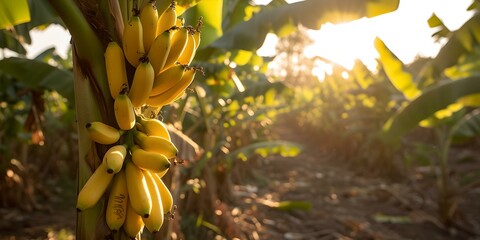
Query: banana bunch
139	149
160	47
139	155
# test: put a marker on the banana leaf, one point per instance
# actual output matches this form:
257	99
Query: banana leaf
13	13
461	41
467	128
395	70
264	149
250	35
39	75
432	99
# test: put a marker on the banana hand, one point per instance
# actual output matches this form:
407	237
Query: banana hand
174	92
167	79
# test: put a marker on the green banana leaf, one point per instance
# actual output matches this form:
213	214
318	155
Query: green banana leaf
432	99
39	75
8	40
251	34
461	41
264	149
13	13
467	128
212	25
395	70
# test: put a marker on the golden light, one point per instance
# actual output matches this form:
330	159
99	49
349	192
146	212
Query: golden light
405	32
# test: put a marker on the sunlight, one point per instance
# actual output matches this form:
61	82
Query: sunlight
343	43
405	32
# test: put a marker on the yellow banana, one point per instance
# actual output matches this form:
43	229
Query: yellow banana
138	190
156	144
159	51
162	6
133	41
114	158
162	173
115	68
174	92
142	84
155	221
151	161
180	22
167	19
94	188
149	19
197	38
117	202
179	41
102	133
154	127
124	113
189	52
165	195
133	225
167	79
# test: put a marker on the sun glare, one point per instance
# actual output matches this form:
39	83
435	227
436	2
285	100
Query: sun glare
405	32
343	43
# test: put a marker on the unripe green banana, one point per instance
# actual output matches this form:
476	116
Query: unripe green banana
159	51
151	161
167	79
94	188
156	144
133	41
115	68
174	92
155	221
117	202
124	113
102	133
114	158
140	198
142	84
149	19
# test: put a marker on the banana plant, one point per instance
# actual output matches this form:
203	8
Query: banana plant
92	24
446	84
235	82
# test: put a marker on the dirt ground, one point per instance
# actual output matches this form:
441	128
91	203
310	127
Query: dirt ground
345	204
308	197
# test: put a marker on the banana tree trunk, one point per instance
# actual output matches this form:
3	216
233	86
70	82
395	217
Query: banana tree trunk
92	103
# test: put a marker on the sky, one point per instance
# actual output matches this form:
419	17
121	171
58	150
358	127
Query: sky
404	31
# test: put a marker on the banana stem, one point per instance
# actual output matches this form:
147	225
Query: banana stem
89	49
118	16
